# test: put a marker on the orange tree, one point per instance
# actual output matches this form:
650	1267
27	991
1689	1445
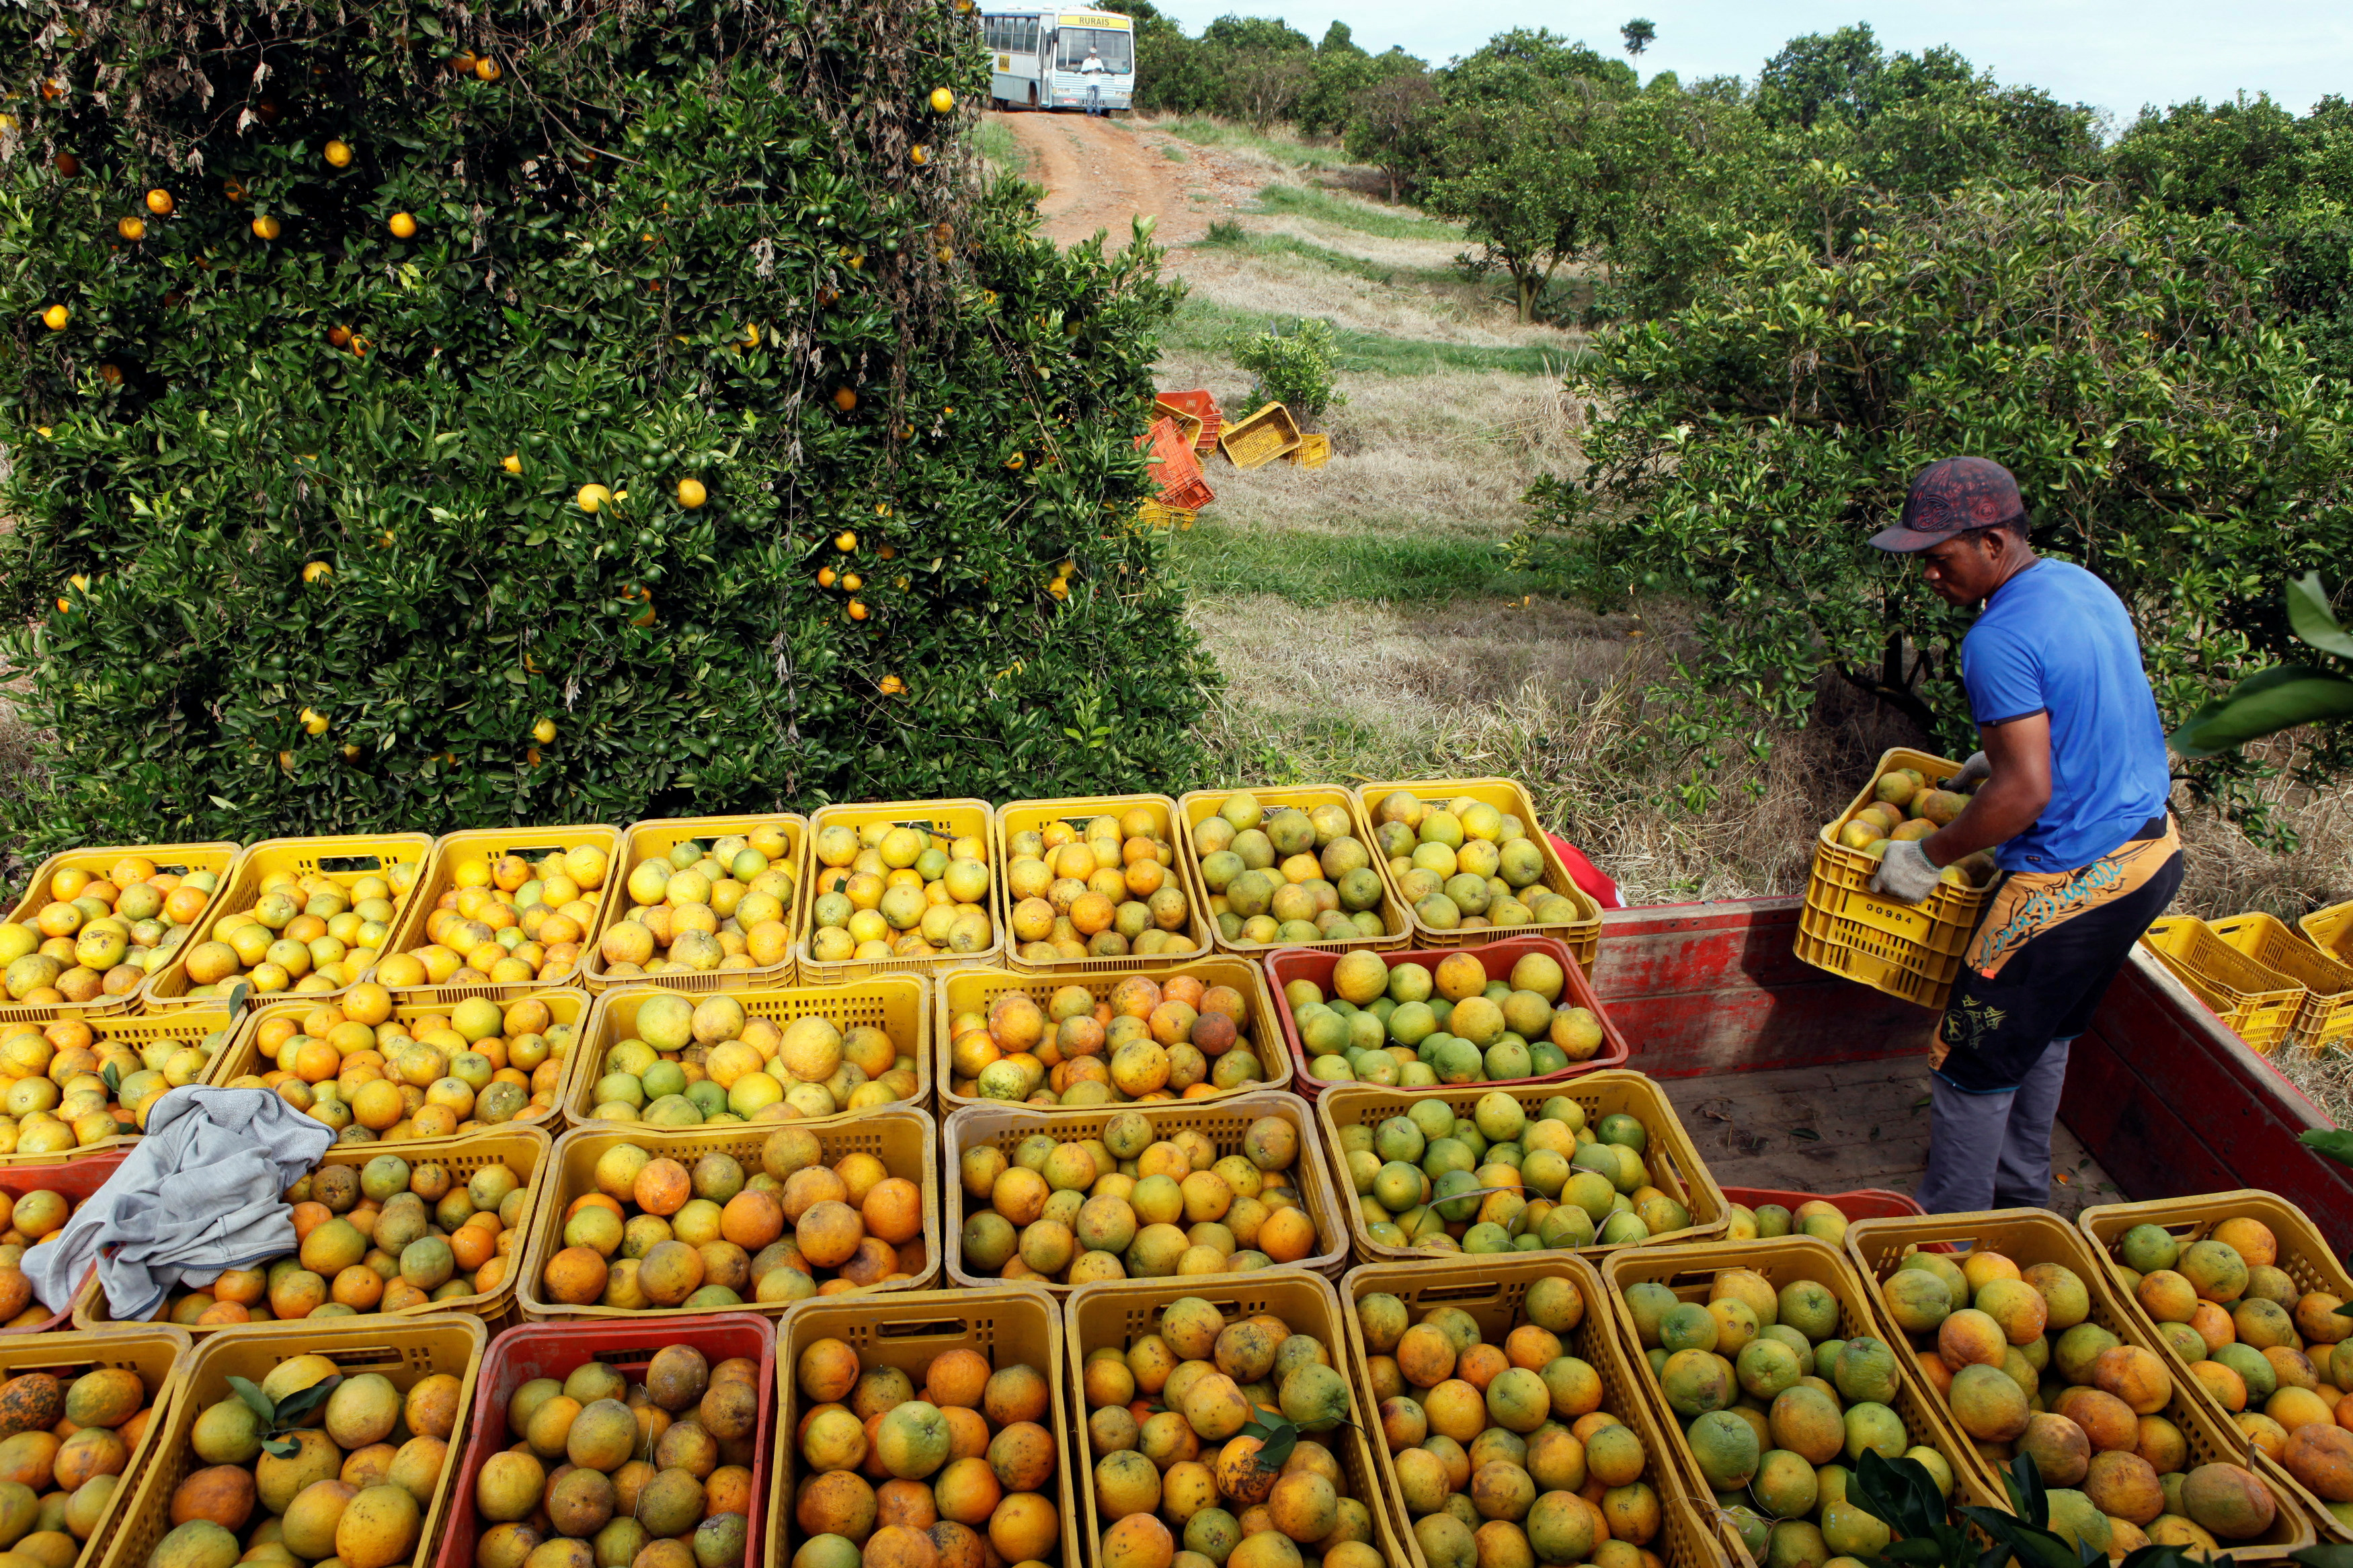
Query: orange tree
430	415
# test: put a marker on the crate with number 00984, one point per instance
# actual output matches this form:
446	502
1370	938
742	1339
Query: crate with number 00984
1909	951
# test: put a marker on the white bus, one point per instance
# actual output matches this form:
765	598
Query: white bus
1051	59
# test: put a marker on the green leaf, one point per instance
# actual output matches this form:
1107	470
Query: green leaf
2335	1143
283	1447
2312	619
300	1402
255	1400
2280	698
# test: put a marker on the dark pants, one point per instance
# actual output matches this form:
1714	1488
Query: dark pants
1993	1098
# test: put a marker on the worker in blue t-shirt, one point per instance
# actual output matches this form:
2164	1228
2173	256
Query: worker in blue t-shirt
2072	800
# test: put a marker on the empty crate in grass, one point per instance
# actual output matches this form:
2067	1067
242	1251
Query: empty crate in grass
2276	1358
978	1375
95	923
149	1053
410	1385
2130	1446
1218	1357
1790	1474
122	1385
1604	1164
505	912
1226	1185
863	919
1555	1401
1287	867
1078	1041
756	1216
820	1051
1093	886
460	1209
1514	1012
1428	834
304	916
588	1468
703	903
482	1064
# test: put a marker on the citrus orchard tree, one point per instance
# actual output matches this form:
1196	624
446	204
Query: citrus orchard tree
431	415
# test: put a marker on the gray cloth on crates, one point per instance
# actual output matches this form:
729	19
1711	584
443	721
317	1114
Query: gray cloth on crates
201	1192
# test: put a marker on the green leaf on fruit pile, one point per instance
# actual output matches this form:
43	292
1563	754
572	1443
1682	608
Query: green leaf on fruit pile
255	1400
301	1402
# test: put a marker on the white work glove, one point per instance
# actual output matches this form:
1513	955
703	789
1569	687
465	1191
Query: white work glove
1974	772
1905	872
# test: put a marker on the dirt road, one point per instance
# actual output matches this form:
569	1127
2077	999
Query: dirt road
1100	174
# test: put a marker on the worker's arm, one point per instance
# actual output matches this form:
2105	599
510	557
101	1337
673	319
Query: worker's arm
2006	804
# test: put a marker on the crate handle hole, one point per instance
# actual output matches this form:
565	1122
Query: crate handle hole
345	864
1444	1294
932	1330
533	852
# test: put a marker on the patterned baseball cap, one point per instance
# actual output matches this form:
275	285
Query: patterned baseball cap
1951	497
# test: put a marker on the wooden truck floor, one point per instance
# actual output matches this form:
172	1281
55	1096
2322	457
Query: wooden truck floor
1841	1126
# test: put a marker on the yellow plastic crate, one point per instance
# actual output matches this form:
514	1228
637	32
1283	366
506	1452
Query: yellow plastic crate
898	1004
1222	1121
1909	951
2326	1019
158	1353
1673	1157
567	1005
178	859
2258	1004
976	990
2331	930
1112	1316
343	860
2028	1236
1314	452
489	844
1154	514
191	1026
1583	934
1012	1325
1689	1271
522	1149
1193	809
1260	437
1032	815
957	820
405	1351
904	1138
660	835
1495	1295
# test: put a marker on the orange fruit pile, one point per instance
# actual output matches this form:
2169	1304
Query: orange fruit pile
85	937
1147	1040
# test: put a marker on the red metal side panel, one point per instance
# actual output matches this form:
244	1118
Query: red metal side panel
1708	988
2171	1102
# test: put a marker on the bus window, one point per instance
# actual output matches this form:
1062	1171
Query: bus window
1028	44
1115	50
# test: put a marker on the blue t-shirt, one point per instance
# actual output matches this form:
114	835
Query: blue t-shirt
2054	639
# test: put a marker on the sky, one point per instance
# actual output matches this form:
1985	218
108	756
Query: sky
2114	55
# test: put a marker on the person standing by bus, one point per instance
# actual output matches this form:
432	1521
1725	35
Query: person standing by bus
2073	805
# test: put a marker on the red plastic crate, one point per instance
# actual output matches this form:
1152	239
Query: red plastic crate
1179	470
1863	1203
1202	406
1289	963
76	1179
553	1349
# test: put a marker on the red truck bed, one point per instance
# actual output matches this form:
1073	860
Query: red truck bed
2161	1100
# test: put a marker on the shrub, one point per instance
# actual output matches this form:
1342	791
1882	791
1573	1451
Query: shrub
324	487
1296	365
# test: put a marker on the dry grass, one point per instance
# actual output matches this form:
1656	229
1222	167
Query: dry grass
1542	692
1283	283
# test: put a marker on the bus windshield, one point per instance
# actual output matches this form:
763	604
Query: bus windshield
1115	50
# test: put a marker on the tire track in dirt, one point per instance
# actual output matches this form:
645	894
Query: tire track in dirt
1100	174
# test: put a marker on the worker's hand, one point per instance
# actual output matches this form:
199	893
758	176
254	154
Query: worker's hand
1905	873
1974	772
